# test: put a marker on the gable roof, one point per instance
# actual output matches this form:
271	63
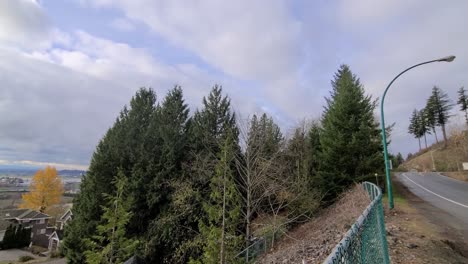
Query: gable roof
57	234
66	215
22	214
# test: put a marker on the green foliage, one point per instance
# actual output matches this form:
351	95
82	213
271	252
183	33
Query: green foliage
219	233
438	109
121	147
25	258
420	125
350	139
463	102
110	244
16	236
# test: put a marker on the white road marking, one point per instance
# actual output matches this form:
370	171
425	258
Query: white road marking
440	196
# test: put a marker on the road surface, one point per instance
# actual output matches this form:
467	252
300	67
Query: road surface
449	198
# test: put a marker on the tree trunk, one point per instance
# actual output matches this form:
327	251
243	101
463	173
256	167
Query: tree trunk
419	140
247	217
445	135
435	134
466	116
425	140
223	225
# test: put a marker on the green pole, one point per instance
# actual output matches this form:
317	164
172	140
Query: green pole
384	136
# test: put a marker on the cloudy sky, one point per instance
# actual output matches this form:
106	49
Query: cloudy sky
67	67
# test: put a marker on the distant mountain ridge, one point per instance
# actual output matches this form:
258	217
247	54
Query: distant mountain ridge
15	171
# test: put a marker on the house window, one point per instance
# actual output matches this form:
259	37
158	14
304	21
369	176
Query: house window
41	221
41	231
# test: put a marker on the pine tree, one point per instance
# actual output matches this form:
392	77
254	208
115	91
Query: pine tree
171	123
313	152
439	106
430	117
413	127
350	139
463	102
110	244
399	159
121	147
221	239
213	122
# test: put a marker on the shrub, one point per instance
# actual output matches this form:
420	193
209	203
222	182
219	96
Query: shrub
25	258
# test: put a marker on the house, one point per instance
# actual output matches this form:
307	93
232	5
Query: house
54	240
64	219
27	218
57	235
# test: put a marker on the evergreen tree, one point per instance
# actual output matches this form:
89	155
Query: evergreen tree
430	116
121	147
313	153
350	139
171	123
423	125
413	127
110	244
399	159
221	238
212	124
463	102
439	107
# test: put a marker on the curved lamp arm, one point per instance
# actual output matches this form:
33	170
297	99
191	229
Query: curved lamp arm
382	122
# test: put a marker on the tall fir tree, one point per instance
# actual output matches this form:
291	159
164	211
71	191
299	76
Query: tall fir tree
463	102
431	120
121	147
313	152
170	126
439	107
423	125
110	244
350	140
414	126
220	236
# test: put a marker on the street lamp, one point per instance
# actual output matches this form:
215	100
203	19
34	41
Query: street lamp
382	121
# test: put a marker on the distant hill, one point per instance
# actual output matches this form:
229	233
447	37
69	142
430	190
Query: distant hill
71	173
448	159
15	171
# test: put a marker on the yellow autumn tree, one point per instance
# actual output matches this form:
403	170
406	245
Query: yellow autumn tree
45	190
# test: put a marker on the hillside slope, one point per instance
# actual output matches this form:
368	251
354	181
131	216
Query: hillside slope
444	159
313	241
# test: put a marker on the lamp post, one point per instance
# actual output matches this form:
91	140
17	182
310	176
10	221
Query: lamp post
382	121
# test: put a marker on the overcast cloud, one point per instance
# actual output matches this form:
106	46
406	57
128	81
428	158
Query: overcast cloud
68	67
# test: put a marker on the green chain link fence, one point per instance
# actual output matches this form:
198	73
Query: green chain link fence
366	241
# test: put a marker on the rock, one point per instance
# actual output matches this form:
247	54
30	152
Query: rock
411	246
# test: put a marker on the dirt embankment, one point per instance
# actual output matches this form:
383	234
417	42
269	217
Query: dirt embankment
415	236
313	241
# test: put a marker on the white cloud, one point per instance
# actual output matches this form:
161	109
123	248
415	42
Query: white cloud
122	24
242	38
24	24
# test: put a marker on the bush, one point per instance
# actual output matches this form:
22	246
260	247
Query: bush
25	258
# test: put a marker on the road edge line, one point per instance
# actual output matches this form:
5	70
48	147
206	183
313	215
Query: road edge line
438	195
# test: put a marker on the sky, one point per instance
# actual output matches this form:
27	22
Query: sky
68	67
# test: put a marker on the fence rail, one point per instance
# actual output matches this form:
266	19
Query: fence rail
366	241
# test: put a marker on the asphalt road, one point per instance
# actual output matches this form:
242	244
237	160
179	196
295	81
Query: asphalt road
449	197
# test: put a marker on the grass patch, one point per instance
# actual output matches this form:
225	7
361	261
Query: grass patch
25	258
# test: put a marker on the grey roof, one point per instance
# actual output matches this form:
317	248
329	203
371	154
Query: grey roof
22	214
65	215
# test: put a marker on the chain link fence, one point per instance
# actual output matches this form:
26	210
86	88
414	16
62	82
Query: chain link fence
258	247
366	241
